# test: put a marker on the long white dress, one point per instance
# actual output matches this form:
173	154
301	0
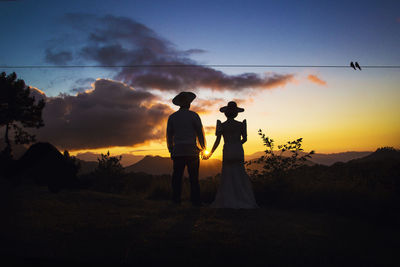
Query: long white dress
235	189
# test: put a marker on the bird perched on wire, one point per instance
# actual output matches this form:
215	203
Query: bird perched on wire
358	66
352	65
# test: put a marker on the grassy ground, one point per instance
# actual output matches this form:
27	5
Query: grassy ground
85	226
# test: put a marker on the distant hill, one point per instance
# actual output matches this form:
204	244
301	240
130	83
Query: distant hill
157	165
381	154
89	158
324	159
127	159
87	166
329	159
140	163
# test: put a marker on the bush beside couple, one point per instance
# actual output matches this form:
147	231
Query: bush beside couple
185	140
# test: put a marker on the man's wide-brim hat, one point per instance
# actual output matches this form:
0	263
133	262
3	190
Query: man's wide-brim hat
183	98
232	106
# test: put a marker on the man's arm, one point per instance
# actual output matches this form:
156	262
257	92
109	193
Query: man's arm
200	133
170	136
244	132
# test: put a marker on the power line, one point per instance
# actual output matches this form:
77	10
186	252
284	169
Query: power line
192	66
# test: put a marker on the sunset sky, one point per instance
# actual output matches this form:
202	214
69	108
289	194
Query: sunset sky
124	110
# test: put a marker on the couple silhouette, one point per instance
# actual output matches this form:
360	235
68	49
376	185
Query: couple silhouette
186	141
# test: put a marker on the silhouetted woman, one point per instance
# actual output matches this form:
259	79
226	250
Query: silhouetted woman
235	189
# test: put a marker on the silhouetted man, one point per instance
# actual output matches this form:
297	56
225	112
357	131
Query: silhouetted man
185	140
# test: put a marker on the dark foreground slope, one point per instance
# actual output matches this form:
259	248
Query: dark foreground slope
98	228
346	214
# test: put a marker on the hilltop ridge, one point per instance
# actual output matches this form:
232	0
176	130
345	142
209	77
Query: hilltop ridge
158	165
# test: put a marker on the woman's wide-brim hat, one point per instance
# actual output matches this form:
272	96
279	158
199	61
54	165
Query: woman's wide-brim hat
232	106
183	98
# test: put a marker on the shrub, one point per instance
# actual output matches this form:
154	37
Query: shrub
271	172
274	164
108	175
108	165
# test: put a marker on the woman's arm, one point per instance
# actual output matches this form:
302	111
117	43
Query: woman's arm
218	134
244	139
216	143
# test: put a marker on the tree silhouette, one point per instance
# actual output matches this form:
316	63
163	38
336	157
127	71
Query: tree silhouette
18	110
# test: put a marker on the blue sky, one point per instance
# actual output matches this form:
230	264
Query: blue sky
232	32
244	32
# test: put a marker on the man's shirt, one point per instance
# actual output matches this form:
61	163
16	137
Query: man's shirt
185	135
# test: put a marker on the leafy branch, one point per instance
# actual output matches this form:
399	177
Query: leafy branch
276	163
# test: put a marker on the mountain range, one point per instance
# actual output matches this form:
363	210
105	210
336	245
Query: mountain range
163	165
320	158
384	154
157	165
128	160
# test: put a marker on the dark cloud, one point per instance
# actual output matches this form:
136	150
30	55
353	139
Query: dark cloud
106	55
58	58
187	78
111	114
121	41
81	85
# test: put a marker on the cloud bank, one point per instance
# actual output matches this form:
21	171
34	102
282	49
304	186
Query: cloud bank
121	41
110	114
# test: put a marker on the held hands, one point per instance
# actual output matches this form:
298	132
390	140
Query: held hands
205	154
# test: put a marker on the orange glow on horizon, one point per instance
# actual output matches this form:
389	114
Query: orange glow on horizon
348	115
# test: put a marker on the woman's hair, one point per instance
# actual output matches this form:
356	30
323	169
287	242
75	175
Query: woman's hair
231	114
